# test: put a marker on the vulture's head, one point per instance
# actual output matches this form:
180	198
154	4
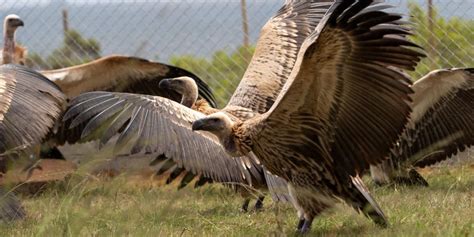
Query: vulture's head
12	22
181	85
185	86
450	74
219	124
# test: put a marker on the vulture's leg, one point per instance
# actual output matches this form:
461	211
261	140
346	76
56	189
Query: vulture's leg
381	173
10	207
306	226
259	203
245	206
300	224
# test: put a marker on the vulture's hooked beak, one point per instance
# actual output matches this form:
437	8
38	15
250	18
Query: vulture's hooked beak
17	23
199	124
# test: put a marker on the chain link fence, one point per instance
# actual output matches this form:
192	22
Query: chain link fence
212	38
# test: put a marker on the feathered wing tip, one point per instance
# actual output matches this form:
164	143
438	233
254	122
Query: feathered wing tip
373	210
10	207
277	187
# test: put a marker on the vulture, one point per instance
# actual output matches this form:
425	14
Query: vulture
11	52
319	94
258	176
441	125
156	124
29	107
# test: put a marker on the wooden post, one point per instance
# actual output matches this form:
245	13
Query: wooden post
245	25
65	22
432	36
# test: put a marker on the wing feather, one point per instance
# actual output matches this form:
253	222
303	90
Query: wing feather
157	125
123	74
29	107
275	54
342	108
442	120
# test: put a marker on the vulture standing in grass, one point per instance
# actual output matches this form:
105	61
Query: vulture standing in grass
257	177
157	124
344	92
11	52
441	124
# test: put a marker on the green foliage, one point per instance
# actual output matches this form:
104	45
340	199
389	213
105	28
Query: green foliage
451	44
75	50
222	72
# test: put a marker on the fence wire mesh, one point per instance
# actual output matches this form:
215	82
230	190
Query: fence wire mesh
212	38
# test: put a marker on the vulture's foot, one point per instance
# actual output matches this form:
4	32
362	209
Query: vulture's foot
259	204
306	227
245	205
300	225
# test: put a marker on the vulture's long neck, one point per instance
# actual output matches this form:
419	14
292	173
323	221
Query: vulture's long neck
190	96
8	44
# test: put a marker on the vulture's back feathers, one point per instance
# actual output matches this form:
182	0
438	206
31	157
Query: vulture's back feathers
123	74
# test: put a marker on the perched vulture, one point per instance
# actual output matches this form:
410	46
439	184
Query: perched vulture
29	107
441	124
156	124
343	92
11	52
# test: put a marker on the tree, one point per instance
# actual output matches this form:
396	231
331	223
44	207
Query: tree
222	72
75	50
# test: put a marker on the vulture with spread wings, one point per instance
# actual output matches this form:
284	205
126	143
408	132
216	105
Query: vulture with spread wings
343	93
158	125
441	125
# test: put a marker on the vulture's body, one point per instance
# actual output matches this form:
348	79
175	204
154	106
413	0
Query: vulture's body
441	125
344	94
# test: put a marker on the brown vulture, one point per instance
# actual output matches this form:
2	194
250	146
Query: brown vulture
30	105
11	52
441	125
344	91
156	124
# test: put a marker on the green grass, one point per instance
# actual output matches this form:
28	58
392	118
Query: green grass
120	207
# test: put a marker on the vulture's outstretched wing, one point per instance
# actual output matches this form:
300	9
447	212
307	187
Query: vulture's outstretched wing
29	107
123	74
275	53
442	121
154	124
345	102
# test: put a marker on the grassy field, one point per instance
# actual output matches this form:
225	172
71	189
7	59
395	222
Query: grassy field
136	207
